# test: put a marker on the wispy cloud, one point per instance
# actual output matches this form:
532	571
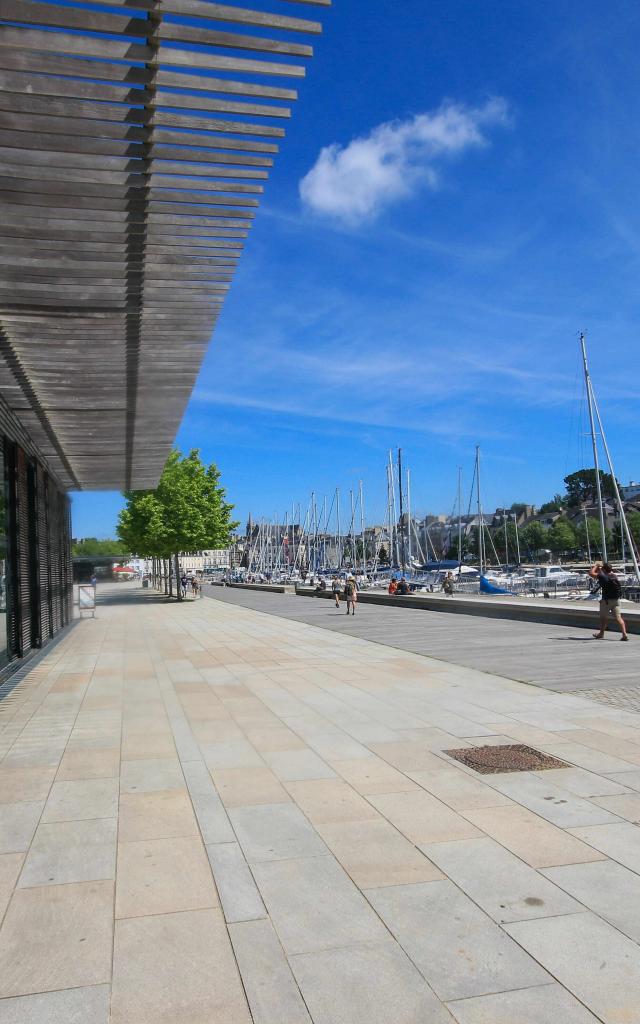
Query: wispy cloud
353	183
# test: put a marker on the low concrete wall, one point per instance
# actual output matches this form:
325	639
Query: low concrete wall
270	588
582	615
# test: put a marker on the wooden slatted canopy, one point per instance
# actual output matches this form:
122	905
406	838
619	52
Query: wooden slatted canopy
134	144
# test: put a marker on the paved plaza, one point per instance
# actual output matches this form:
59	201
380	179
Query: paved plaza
212	815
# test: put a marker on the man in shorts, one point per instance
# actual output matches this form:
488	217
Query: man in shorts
610	593
351	594
336	587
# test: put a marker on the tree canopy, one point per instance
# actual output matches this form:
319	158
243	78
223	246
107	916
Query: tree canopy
581	487
186	512
91	546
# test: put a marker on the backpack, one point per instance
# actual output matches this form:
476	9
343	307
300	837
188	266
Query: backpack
348	589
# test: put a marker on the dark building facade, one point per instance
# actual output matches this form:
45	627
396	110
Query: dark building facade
35	548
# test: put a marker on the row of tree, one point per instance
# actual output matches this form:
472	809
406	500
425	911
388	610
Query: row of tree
186	512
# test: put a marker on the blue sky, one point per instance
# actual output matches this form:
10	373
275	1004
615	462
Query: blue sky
474	208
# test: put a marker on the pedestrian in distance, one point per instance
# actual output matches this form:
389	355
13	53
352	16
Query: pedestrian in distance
194	586
183	585
447	584
336	587
351	594
393	586
403	588
610	594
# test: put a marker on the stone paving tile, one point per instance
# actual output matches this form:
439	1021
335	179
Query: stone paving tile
297	765
159	815
269	984
210	813
550	801
607	888
374	775
56	937
237	890
240	787
621	842
18	823
580	782
19	785
70	1006
71	851
150	776
547	1004
374	853
366	984
82	798
536	841
314	905
275	832
591	959
626	805
422	818
327	800
505	887
10	866
176	967
458	949
459	790
160	876
89	764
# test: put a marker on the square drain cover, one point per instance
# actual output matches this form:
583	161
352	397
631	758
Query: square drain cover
516	757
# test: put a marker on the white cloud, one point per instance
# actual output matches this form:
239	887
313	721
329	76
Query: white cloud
354	182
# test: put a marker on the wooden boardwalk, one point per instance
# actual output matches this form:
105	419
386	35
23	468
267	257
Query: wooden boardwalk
555	657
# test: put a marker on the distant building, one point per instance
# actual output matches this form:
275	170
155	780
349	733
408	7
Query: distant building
631	491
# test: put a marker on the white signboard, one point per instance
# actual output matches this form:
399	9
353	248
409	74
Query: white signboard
86	598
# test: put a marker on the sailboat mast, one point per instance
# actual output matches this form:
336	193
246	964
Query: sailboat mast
338	537
480	521
409	519
459	520
403	558
364	553
594	442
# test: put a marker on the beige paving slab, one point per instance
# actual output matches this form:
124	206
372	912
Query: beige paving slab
626	781
160	876
458	790
237	890
297	765
18	823
604	974
273	738
546	1004
269	984
145	746
374	853
314	905
275	832
70	1006
82	798
621	842
56	937
176	967
626	806
366	984
240	787
150	775
10	866
89	764
458	949
374	775
607	888
325	800
536	841
408	756
160	815
422	818
71	851
502	885
582	783
18	785
230	754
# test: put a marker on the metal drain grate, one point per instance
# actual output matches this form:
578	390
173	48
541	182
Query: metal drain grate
514	757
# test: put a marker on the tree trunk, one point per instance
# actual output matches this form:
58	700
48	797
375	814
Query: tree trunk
170	576
178	585
166	578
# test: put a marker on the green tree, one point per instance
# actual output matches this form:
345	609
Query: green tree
519	507
91	546
383	555
561	537
591	530
633	521
186	512
511	547
581	487
533	538
555	505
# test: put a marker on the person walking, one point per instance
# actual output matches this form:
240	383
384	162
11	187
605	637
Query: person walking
351	594
336	587
183	585
610	594
447	584
194	586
